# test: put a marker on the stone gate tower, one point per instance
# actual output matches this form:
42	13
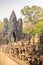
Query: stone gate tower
13	24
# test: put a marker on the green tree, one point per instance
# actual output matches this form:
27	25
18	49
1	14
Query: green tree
37	29
39	16
30	12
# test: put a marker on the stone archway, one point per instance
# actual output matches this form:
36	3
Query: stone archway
14	36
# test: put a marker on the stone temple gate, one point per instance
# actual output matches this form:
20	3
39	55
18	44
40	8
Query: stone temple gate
12	27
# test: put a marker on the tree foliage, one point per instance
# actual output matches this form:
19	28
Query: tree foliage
37	29
39	16
31	12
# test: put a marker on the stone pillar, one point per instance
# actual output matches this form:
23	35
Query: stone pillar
6	29
19	27
6	26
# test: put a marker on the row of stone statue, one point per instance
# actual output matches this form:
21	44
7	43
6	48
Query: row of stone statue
31	54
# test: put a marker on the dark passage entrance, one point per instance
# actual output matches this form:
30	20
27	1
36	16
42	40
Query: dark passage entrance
14	36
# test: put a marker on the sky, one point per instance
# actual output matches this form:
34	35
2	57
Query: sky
6	7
